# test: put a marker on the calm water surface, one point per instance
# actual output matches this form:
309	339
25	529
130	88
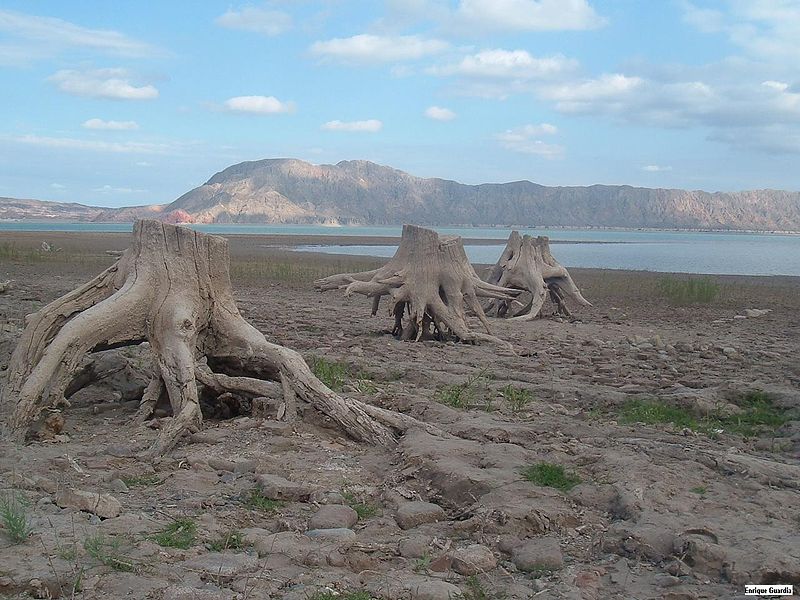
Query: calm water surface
665	251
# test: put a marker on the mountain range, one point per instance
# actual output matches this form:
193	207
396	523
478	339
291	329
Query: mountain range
360	192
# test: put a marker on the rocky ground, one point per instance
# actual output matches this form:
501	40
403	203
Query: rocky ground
256	508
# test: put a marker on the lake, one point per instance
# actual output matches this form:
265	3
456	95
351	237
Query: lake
663	251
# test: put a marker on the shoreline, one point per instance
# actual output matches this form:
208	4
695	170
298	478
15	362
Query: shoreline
789	232
81	247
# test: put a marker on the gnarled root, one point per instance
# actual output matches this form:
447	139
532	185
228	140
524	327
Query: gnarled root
432	287
527	265
171	288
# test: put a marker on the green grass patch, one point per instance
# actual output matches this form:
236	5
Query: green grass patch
259	501
759	415
364	510
141	480
700	490
329	595
475	590
181	533
14	516
108	551
232	540
332	373
550	475
696	290
517	399
463	395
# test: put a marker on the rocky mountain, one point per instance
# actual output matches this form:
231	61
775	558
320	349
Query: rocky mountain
361	192
12	209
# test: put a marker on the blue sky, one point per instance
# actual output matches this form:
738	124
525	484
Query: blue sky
121	103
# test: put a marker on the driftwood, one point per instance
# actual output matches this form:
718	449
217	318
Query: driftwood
527	265
430	281
171	288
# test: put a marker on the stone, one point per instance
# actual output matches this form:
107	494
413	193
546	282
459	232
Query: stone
414	547
334	533
104	506
182	592
221	565
473	559
435	590
276	487
756	312
296	546
333	516
538	553
412	514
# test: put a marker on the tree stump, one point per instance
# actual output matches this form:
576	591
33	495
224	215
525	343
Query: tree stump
528	265
172	288
430	281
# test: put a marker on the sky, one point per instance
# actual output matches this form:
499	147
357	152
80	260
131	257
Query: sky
128	102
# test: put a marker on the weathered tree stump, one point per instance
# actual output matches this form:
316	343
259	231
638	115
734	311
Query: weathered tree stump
171	288
431	281
528	265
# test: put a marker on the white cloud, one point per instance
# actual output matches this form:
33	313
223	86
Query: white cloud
258	105
92	145
439	114
370	125
58	186
108	189
257	20
113	84
527	15
767	29
656	168
525	140
584	95
368	48
110	125
507	64
51	34
143	163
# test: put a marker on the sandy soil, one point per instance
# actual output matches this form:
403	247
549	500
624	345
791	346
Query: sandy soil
661	512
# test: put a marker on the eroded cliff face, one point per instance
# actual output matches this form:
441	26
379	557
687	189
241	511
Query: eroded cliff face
361	192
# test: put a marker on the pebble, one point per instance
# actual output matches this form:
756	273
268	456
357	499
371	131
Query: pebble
435	590
334	533
473	559
411	514
333	516
104	506
275	487
538	553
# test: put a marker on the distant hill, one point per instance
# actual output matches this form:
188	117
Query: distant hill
361	192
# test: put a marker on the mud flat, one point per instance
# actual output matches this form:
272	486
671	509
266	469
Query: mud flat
668	434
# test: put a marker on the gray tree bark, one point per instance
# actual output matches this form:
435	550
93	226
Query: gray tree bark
431	285
171	288
528	265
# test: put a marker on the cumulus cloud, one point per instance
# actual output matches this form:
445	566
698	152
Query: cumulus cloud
258	105
58	186
656	168
438	113
507	64
370	125
526	140
109	189
368	48
766	29
256	20
57	34
527	15
110	125
113	84
93	145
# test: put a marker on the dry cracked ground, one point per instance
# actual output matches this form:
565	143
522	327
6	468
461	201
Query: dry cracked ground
640	450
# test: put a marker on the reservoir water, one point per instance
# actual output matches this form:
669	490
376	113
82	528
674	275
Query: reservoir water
663	251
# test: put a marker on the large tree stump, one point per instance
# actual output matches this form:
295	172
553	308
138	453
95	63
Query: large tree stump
528	265
431	281
171	288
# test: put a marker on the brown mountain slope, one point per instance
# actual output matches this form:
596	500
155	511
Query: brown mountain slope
361	192
293	191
